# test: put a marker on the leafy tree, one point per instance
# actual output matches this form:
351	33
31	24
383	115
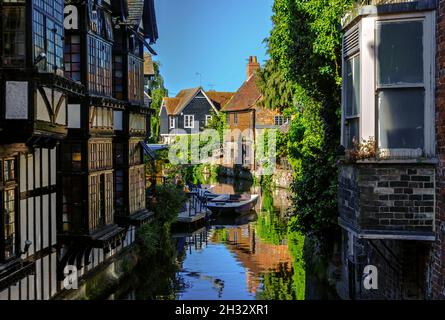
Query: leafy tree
303	78
158	92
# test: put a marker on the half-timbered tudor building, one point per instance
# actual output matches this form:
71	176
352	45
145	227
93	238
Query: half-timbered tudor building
102	174
72	117
33	93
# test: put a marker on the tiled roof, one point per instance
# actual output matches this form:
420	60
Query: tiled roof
176	104
219	99
246	96
148	65
171	104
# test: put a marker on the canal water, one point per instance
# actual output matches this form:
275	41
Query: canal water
234	257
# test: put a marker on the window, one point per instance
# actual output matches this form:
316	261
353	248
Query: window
228	119
189	121
235	118
9	240
13	36
101	118
99	66
100	200
8	170
72	156
72	57
388	92
280	120
118	79
352	101
119	192
137	189
99	21
401	88
172	122
119	153
8	223
138	123
208	119
135	153
48	33
100	155
135	79
71	203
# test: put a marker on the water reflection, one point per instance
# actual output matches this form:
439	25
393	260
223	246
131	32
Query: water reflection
236	257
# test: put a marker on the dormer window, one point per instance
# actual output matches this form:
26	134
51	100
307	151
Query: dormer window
388	84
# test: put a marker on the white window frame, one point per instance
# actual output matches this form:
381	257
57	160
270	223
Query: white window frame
171	122
208	119
191	123
369	121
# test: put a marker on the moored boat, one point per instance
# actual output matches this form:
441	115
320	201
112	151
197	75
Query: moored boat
228	203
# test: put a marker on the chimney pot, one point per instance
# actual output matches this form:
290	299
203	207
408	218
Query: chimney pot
252	66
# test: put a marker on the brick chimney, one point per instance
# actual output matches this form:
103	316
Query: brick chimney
252	66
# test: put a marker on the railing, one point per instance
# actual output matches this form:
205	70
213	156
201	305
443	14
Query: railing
196	204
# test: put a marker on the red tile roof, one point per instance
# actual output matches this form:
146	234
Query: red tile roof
219	99
176	104
170	105
246	96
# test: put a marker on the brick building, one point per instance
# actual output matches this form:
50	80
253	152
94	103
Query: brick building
391	180
243	113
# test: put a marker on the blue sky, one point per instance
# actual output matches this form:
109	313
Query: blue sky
210	37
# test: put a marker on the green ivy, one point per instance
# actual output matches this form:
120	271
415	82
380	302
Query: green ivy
157	92
303	79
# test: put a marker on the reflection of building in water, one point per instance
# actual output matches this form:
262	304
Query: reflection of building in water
256	256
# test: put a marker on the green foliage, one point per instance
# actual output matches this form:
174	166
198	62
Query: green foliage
217	122
154	275
303	78
157	265
269	226
278	285
157	93
169	201
295	243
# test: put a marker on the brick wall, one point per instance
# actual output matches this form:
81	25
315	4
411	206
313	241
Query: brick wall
244	120
437	263
387	197
265	116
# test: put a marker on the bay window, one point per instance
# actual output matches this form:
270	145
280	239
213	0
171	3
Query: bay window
388	91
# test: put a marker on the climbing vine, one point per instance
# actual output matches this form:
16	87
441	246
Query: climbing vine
157	92
303	79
